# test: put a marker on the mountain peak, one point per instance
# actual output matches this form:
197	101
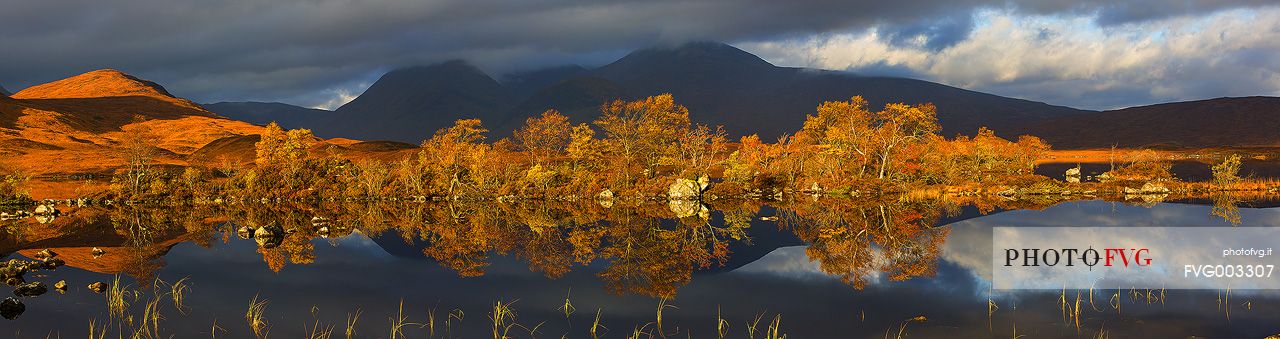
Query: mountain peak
410	83
697	53
410	103
95	84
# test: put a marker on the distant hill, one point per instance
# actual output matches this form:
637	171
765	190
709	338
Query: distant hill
69	129
262	113
720	84
723	85
4	92
1221	122
104	101
101	84
411	104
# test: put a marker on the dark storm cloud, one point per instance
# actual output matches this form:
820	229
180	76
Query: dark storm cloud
306	51
1111	12
937	33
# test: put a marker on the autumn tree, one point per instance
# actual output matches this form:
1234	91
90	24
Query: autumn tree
287	149
899	124
1143	165
539	177
583	156
491	171
756	163
372	177
193	179
699	149
410	176
849	137
270	145
545	136
138	145
1030	149
1226	173
638	132
452	150
837	141
12	181
744	163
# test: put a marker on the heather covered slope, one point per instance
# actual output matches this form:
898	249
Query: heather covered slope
75	126
1220	122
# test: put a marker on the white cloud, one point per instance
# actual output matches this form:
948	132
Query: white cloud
341	96
1071	60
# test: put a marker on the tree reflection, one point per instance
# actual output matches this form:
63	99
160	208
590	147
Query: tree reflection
1224	206
855	242
644	248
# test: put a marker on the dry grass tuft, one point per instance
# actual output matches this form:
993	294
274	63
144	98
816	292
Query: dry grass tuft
256	317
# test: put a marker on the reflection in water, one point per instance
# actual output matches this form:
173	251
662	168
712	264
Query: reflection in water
887	254
1224	206
855	241
643	248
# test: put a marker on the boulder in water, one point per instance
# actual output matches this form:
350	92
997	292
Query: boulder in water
46	254
99	287
11	271
30	289
11	308
50	263
1073	174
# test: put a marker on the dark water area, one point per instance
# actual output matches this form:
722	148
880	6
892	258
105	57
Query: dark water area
807	268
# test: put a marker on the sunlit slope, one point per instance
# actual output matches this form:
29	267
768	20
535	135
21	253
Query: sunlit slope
76	125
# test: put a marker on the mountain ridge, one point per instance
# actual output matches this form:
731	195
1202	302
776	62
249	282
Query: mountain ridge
1217	122
409	104
261	113
719	83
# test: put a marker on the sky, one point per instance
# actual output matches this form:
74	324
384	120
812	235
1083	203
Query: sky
1092	54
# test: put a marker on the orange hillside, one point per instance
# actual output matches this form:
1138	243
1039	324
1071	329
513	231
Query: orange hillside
72	128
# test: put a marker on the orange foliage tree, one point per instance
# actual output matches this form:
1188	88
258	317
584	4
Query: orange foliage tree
451	153
639	133
545	136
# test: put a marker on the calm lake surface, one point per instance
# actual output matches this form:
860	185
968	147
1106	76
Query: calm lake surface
818	288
